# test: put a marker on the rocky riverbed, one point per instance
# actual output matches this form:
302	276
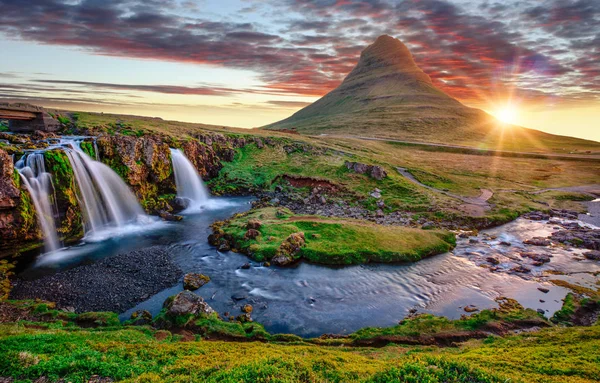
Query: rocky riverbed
111	284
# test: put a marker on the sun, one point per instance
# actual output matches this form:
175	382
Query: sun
507	114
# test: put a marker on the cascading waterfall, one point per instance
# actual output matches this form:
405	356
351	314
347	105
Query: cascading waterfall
38	182
106	200
189	184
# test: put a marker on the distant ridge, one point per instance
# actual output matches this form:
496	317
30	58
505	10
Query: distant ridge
387	95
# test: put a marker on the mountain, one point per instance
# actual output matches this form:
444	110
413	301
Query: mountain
387	95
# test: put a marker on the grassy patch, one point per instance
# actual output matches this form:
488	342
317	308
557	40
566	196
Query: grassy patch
335	241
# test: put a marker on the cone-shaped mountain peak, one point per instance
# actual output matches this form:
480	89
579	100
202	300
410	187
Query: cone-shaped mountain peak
388	53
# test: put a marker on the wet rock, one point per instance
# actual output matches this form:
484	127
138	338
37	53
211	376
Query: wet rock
505	243
180	203
520	269
470	309
244	318
252	234
267	264
169	216
239	296
193	281
537	241
593	255
245	266
544	290
578	236
537	258
537	216
247	309
224	245
493	260
186	303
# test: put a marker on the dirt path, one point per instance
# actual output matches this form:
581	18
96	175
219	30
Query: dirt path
474	206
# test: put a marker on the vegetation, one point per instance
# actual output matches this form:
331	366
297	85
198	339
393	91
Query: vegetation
333	241
54	344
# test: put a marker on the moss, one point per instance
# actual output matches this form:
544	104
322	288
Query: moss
88	148
6	272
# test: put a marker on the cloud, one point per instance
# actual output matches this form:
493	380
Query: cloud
472	52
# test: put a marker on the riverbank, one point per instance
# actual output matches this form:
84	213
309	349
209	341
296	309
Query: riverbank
111	284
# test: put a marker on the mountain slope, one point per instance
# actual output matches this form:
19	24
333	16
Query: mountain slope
387	95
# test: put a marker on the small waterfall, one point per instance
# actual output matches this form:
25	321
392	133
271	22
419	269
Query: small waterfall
38	182
189	184
106	200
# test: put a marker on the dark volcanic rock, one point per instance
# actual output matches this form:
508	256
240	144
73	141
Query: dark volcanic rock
186	303
593	255
112	284
193	281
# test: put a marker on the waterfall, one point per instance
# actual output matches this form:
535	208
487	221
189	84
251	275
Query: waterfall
189	184
38	182
106	200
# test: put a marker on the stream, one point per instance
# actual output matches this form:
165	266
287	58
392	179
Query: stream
310	300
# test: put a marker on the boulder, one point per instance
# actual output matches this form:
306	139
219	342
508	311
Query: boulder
289	249
193	281
373	171
186	303
247	309
252	234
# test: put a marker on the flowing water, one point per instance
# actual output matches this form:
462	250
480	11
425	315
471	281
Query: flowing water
190	187
38	182
310	300
107	203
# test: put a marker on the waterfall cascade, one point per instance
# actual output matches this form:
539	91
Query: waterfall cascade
189	184
38	182
106	200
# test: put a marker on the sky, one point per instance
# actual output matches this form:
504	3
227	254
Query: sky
249	63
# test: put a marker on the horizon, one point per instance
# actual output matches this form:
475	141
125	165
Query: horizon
244	64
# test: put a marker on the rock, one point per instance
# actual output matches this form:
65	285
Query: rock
239	296
193	281
252	234
99	379
520	269
473	240
593	255
379	213
493	260
289	249
470	308
259	143
141	315
538	258
245	266
428	226
247	309
186	303
170	217
505	243
381	204
244	318
537	241
374	171
375	194
543	289
224	246
267	264
180	203
253	224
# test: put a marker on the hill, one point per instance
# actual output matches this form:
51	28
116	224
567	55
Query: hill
387	95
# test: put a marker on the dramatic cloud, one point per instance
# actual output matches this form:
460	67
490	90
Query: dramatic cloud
473	52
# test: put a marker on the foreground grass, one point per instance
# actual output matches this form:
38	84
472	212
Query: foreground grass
334	241
136	355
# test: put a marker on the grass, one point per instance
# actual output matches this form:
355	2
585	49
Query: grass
335	241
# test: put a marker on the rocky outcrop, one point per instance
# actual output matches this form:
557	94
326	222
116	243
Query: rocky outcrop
17	212
286	254
187	303
373	171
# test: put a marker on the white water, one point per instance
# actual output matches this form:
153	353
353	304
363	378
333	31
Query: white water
38	182
189	184
107	204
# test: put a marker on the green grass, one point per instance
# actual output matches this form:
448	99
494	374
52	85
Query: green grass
336	241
